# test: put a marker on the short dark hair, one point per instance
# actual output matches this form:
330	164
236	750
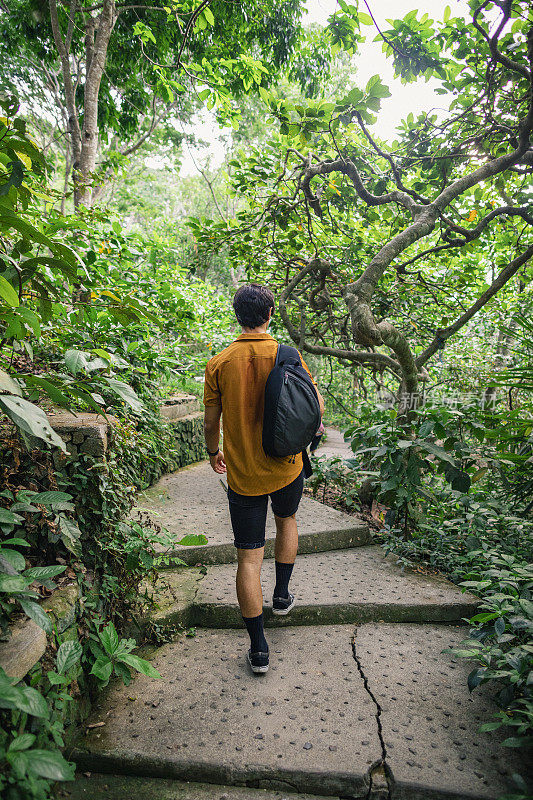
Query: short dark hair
251	304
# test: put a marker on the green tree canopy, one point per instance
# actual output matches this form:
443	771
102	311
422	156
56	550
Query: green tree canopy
110	73
383	251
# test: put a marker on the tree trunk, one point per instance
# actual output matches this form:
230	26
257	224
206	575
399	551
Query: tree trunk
97	36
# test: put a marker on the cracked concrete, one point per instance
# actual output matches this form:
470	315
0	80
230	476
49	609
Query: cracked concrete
308	724
380	769
373	711
381	714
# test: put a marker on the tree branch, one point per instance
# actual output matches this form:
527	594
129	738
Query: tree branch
389	158
156	119
444	333
493	41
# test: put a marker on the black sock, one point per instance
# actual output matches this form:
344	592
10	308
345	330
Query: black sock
254	625
283	576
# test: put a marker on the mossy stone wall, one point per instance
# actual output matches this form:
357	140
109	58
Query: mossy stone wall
189	436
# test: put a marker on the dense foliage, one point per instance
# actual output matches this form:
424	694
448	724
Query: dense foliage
92	319
403	270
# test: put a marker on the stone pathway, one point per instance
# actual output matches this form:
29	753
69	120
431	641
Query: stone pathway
334	445
360	700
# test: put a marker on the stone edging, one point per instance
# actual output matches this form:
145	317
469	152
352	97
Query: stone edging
27	642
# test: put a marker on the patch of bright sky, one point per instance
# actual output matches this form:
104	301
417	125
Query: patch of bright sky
415	97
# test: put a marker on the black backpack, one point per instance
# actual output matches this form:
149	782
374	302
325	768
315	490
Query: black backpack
292	411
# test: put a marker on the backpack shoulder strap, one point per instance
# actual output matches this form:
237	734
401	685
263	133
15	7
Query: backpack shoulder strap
286	353
307	466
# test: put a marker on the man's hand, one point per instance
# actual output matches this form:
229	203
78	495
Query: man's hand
212	436
217	463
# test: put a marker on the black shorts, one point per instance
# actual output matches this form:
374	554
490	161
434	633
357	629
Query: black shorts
248	512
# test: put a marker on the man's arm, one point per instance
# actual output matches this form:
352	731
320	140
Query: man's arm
320	402
212	436
320	398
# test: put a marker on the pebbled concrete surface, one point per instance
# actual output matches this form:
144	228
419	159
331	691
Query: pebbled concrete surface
193	500
121	787
374	711
307	725
333	704
430	722
357	585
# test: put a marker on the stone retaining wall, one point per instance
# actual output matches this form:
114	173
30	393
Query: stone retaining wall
83	432
91	434
27	642
189	436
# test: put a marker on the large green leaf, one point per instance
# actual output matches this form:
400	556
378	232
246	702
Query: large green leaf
69	255
109	638
8	385
90	399
102	668
6	567
10	219
30	419
32	702
44	573
50	764
55	394
15	559
70	534
22	742
69	653
31	320
37	614
7	517
13	583
141	665
125	392
9	695
76	361
8	294
435	450
18	762
31	265
53	499
193	540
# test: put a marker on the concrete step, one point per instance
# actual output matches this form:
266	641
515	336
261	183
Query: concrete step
430	721
193	500
124	787
330	709
356	585
307	725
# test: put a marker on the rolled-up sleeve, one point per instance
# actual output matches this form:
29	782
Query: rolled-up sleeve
211	390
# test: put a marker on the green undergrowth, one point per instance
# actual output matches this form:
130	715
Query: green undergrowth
453	495
471	550
66	521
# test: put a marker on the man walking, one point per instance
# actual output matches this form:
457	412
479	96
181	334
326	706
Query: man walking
234	389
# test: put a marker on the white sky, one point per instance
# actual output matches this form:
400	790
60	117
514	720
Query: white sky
415	97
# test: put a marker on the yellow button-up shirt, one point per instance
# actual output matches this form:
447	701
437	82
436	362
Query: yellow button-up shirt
235	380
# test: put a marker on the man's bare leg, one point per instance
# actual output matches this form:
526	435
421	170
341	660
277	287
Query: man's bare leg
250	599
249	593
286	545
285	553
